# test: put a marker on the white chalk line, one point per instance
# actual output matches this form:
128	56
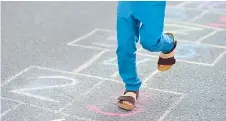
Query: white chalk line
149	77
120	82
206	36
35	106
16	75
218	58
214	11
104	45
197	25
61	119
171	108
89	62
4	113
102	78
110	61
165	91
22	91
92	47
197	63
182	4
115	74
84	94
204	44
184	27
35	96
81	118
198	16
83	37
191	42
91	89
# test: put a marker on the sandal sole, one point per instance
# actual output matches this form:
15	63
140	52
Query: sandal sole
164	68
126	107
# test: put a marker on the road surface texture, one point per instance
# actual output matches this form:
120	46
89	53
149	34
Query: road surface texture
59	64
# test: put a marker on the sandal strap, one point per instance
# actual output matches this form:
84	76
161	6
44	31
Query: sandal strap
136	92
166	61
129	99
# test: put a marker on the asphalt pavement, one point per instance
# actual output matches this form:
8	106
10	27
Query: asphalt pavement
59	63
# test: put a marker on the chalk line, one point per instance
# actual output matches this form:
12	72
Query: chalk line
91	76
79	74
81	118
35	96
61	119
83	37
104	45
197	63
120	82
35	106
84	94
94	87
115	74
150	76
218	58
108	62
183	4
206	36
105	30
165	91
204	44
89	62
185	27
171	108
198	16
198	25
22	91
16	75
90	47
4	113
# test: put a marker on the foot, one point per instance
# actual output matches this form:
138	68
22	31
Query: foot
127	101
166	60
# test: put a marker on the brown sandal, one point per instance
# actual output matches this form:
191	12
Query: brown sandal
164	63
128	97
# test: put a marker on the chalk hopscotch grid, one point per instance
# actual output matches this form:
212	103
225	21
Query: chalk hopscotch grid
173	105
88	63
198	42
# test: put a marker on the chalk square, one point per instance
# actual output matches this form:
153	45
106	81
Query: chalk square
106	39
46	88
217	39
194	53
101	38
102	104
186	31
26	112
106	66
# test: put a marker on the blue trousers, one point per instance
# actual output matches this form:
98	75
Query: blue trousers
142	21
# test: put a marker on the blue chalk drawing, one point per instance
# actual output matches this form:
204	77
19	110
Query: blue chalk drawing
186	50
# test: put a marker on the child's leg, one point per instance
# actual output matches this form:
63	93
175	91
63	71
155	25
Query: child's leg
126	37
152	37
127	33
